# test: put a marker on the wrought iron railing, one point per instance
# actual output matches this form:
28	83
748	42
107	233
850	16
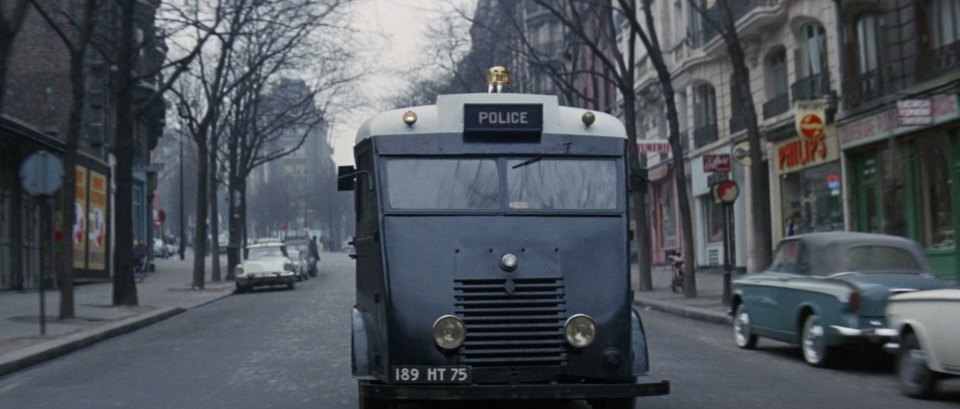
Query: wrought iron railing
816	86
705	135
739	8
776	106
940	61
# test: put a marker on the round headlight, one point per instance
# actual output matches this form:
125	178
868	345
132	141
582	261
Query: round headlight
449	332
238	270
580	331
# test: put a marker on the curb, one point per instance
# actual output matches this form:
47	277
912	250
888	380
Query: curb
17	360
686	312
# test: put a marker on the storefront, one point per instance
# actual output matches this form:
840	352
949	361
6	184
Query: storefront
663	213
902	178
20	214
708	215
807	188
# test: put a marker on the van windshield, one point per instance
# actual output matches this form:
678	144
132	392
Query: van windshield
551	184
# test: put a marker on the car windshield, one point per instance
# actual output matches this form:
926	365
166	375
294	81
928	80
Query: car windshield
562	184
880	258
260	253
474	184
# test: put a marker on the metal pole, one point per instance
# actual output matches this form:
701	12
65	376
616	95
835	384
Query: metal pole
183	229
727	262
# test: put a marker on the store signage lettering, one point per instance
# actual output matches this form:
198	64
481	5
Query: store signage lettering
914	112
716	163
801	152
653	147
886	124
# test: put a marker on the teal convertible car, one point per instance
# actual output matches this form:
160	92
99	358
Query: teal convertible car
824	290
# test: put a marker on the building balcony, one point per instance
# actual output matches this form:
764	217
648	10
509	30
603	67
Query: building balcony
737	124
813	87
870	85
750	15
705	135
939	61
776	106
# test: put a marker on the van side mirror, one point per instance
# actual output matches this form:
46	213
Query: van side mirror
346	175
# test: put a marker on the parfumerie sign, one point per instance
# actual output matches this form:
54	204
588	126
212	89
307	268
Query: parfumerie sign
499	118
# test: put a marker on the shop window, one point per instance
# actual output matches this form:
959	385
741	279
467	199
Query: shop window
713	219
812	200
937	211
668	220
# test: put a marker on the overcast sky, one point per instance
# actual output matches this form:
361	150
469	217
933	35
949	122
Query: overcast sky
393	31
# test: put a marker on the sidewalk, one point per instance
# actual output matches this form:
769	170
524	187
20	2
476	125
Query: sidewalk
707	306
163	294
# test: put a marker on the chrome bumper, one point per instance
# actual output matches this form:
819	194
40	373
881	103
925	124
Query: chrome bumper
876	333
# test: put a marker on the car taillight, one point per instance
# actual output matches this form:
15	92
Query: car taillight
853	303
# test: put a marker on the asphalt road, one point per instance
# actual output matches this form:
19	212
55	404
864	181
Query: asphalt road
290	349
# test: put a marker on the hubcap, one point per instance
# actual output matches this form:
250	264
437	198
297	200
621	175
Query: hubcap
741	328
913	364
813	342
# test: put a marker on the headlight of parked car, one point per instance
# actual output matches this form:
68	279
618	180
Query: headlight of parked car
238	270
289	266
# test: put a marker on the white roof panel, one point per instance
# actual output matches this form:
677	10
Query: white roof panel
447	117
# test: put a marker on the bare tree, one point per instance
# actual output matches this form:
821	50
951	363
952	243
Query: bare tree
614	63
75	32
760	240
12	14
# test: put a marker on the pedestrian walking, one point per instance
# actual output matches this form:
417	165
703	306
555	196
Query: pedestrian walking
314	256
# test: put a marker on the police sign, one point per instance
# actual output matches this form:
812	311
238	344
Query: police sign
499	118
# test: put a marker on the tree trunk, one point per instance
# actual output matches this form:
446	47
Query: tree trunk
75	121
214	213
638	186
6	45
200	236
760	239
124	288
236	227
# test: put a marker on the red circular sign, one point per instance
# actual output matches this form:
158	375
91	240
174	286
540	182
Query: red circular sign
811	126
726	191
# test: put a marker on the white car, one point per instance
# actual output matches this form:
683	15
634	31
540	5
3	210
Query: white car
300	260
928	346
161	249
266	264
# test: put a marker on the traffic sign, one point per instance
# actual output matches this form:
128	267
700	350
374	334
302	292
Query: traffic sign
41	174
725	192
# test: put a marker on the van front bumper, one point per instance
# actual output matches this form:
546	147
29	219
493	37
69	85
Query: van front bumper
377	390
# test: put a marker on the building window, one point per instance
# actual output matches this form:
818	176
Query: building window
813	49
777	73
946	22
868	57
704	115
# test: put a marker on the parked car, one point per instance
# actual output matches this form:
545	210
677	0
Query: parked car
303	245
824	290
927	345
265	264
299	258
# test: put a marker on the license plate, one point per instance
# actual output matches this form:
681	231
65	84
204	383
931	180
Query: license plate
430	374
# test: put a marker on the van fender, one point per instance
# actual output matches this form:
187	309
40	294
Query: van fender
360	346
638	345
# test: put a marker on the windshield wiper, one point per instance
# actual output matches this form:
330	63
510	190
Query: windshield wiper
565	147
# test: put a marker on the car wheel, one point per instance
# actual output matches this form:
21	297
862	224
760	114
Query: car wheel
291	285
241	289
741	329
813	342
916	379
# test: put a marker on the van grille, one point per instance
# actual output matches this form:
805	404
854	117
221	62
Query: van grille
512	322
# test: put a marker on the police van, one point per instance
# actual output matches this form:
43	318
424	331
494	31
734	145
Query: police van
492	254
